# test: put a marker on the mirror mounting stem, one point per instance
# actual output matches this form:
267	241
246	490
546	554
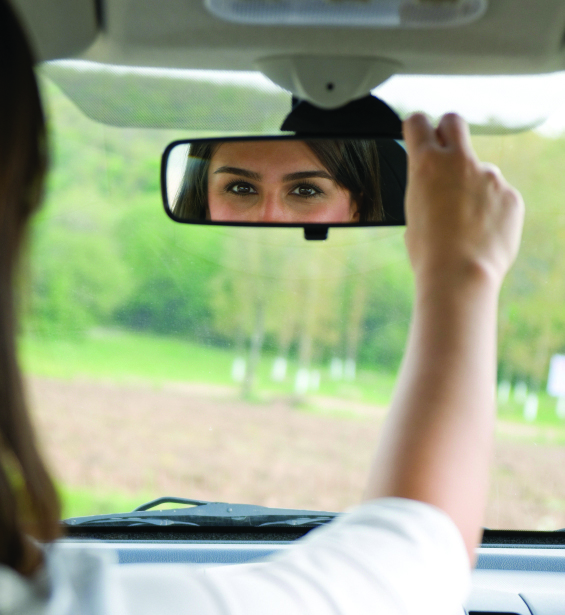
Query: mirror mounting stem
365	117
315	232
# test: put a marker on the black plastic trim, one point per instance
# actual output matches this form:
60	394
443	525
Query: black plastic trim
100	11
170	214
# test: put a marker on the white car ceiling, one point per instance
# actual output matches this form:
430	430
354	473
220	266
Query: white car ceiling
512	37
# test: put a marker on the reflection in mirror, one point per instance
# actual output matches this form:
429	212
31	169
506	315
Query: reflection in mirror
283	180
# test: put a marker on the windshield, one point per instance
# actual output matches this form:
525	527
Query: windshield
249	365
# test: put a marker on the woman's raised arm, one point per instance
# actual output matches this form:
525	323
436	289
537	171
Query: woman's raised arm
464	225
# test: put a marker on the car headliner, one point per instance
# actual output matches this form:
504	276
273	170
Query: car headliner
514	36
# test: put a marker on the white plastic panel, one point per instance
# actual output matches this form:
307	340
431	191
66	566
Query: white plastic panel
58	28
513	36
369	13
507	580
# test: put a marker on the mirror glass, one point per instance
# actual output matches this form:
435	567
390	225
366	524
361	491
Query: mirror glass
294	181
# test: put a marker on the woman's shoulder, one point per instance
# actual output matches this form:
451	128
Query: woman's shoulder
393	540
69	579
19	594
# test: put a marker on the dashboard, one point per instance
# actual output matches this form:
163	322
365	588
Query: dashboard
508	580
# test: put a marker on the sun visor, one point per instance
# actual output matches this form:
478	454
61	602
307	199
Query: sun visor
58	28
232	102
208	101
490	104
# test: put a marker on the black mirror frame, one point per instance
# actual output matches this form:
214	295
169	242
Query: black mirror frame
311	231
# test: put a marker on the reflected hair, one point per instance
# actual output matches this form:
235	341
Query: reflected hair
29	505
352	163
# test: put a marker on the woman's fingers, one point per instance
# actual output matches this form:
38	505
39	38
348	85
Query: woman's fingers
418	132
462	216
453	132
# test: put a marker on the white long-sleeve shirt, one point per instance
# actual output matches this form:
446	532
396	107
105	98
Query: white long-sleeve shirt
386	557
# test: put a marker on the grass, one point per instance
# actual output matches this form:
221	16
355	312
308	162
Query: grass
85	502
132	357
127	357
122	356
513	411
546	428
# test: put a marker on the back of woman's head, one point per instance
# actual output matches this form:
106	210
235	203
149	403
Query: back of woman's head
28	501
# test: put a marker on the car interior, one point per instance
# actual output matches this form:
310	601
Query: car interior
172	352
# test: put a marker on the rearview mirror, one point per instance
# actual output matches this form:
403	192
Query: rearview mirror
285	181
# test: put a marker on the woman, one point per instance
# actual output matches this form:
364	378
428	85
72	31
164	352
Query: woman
425	500
28	501
350	192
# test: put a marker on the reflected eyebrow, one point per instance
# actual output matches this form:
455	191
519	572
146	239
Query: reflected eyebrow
306	175
238	171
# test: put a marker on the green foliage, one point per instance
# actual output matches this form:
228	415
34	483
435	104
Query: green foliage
105	254
77	280
532	318
170	268
388	315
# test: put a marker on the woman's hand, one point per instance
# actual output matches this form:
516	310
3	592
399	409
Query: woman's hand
463	230
463	219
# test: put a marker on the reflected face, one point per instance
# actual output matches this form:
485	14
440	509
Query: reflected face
282	181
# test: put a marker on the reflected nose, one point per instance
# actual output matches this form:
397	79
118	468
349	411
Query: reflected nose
271	208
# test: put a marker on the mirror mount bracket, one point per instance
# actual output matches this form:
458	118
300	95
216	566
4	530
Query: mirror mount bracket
315	232
362	117
328	82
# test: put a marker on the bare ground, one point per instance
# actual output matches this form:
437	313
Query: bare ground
201	442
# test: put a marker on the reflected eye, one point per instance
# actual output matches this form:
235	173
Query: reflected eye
241	188
306	191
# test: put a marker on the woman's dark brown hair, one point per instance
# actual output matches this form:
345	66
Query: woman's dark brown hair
28	500
353	164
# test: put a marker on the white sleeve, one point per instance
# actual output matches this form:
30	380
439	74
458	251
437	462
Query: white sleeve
390	556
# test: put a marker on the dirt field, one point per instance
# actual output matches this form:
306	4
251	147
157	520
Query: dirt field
201	442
